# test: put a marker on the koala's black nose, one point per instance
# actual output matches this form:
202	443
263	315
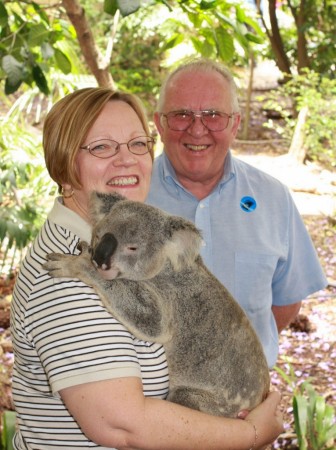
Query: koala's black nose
104	250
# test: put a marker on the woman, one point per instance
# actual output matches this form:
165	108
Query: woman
80	378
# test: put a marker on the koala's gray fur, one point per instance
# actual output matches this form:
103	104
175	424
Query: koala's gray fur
145	266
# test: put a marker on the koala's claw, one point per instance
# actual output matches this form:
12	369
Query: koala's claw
83	247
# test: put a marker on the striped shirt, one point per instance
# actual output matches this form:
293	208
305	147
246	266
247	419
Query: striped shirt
63	336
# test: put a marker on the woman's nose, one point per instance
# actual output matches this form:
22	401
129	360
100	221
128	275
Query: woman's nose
124	156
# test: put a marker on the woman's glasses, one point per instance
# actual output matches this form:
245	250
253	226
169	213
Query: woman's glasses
105	148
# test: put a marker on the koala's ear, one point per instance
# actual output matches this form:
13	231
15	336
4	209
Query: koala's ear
100	204
183	243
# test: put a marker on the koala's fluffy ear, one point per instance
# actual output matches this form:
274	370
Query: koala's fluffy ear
183	242
101	204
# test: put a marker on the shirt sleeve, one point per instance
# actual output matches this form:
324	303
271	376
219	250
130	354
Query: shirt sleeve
300	274
76	338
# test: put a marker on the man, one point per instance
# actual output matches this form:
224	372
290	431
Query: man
255	241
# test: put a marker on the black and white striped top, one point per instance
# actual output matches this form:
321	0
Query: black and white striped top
63	336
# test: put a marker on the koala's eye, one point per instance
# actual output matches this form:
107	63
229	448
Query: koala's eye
131	248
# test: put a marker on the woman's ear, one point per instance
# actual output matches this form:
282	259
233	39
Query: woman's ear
67	190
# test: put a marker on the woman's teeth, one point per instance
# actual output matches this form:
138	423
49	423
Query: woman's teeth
124	181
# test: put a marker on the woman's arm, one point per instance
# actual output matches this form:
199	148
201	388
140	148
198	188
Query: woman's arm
115	413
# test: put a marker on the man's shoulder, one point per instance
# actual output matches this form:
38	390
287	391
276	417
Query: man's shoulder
244	169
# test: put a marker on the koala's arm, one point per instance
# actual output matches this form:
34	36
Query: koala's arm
137	305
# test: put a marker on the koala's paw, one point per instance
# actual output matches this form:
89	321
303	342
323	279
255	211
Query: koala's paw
60	265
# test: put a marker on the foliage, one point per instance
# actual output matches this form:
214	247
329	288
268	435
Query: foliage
318	28
227	30
34	38
314	419
138	54
31	42
25	189
307	37
318	93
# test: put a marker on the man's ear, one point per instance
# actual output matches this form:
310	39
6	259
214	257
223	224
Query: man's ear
101	204
157	120
183	242
236	123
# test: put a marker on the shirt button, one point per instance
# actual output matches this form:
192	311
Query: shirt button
202	205
203	244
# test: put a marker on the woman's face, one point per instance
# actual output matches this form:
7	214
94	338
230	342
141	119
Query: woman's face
125	173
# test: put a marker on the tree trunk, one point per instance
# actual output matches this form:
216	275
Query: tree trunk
297	148
98	65
303	59
248	99
274	36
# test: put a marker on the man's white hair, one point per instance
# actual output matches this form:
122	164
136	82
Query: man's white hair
205	66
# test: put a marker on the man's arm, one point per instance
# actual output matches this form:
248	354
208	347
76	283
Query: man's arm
285	314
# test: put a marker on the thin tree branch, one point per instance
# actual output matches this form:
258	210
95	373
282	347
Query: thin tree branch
98	65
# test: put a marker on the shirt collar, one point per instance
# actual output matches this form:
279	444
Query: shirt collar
65	217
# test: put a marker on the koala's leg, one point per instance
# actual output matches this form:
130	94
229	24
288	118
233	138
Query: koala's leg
198	399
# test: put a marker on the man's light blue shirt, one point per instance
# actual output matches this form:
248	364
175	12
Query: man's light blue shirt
254	240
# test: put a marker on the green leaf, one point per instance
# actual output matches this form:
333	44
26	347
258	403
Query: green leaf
41	12
37	35
111	6
225	44
47	50
10	88
62	61
301	418
9	418
254	38
13	68
3	15
173	41
40	79
320	407
207	4
126	7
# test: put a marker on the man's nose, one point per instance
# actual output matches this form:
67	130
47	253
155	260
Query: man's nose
197	128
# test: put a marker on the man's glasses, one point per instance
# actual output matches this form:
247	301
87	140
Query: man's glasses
212	120
105	148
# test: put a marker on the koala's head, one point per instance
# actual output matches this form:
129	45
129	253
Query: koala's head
133	240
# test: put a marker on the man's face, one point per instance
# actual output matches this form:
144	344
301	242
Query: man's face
197	154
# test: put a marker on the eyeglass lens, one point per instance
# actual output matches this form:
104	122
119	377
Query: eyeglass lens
105	148
213	120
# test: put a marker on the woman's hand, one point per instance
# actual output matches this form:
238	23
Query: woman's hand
266	419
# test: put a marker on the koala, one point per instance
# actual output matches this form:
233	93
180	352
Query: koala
146	267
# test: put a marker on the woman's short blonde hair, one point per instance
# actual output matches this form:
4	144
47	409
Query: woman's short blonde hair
68	123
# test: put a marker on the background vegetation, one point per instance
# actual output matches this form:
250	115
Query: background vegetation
48	48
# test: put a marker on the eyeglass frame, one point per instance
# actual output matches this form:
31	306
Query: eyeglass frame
87	147
200	115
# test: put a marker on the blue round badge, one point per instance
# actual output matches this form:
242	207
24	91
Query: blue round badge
248	204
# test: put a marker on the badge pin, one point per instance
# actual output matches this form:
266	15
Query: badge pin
248	204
